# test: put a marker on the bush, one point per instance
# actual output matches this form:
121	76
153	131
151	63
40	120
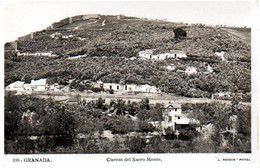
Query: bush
145	127
95	89
136	144
179	33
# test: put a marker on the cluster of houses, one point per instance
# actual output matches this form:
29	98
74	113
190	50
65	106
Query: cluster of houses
46	54
58	35
221	95
41	85
153	54
127	87
35	85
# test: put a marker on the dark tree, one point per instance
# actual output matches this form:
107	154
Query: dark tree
179	33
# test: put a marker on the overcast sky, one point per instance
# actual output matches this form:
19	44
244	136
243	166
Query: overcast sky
21	18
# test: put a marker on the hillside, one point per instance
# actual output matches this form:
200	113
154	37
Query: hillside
242	33
109	41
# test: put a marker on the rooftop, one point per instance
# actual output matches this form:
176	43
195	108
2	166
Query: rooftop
168	51
18	84
39	82
176	51
149	51
172	106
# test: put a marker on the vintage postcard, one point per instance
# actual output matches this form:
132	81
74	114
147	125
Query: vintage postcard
135	84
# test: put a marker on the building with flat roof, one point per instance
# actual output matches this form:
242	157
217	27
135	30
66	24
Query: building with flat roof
162	55
130	88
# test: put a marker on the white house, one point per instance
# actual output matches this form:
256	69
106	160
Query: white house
127	87
221	55
178	54
54	87
39	85
47	54
18	86
221	95
171	115
35	85
174	119
209	69
130	88
77	57
146	54
191	70
151	54
161	56
170	67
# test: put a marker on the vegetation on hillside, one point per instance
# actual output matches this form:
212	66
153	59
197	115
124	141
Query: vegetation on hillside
108	49
129	37
35	125
234	77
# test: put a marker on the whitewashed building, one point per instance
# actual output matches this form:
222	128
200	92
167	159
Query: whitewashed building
173	118
178	54
170	67
209	69
161	56
221	55
130	88
46	54
191	70
151	54
17	86
39	85
35	85
221	95
146	54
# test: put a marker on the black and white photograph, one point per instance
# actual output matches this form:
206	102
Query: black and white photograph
121	77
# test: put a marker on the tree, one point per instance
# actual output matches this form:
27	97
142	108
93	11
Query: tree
179	33
144	104
136	144
60	122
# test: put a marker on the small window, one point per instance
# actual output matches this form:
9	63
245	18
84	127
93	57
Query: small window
110	87
117	87
179	117
170	118
125	87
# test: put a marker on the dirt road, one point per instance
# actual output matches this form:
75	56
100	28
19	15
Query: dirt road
153	98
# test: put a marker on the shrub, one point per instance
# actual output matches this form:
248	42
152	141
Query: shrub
179	33
136	144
